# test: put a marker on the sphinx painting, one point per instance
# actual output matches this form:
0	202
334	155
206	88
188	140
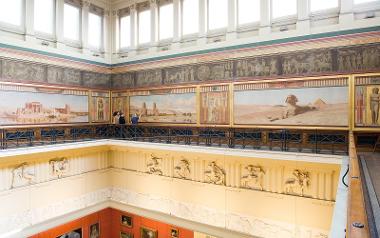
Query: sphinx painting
323	106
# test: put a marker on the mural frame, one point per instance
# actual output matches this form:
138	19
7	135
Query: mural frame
264	85
102	97
355	85
48	89
165	91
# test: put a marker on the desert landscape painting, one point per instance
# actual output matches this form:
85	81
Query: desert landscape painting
41	108
165	108
326	106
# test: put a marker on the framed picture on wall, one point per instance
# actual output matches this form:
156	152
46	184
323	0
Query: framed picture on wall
94	230
174	233
148	233
125	235
72	234
126	221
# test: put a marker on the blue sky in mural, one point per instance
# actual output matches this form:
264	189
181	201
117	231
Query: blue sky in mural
330	95
10	100
181	102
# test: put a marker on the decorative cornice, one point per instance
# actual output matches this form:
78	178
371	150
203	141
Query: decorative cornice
308	42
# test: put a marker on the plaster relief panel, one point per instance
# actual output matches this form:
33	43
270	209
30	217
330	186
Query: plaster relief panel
55	75
256	67
253	177
297	183
154	165
358	58
59	167
306	63
72	76
183	168
148	78
218	71
96	79
185	74
20	71
124	80
215	173
23	174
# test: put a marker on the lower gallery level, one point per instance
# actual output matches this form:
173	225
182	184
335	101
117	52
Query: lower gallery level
159	187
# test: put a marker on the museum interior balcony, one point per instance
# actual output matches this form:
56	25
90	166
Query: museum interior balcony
189	118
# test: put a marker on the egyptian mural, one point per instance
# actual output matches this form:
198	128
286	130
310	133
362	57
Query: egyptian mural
367	101
302	103
28	72
303	62
120	102
166	106
36	105
214	106
100	106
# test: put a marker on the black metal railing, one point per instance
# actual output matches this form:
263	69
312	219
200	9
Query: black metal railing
297	140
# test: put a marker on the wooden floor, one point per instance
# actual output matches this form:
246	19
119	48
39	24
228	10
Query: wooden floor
370	166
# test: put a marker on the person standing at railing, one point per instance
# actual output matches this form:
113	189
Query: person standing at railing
135	119
116	116
122	119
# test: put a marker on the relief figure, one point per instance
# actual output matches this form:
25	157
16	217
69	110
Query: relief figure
374	105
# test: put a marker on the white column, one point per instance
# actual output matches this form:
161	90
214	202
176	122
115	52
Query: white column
202	22
153	25
107	36
134	29
84	28
114	34
29	21
346	17
265	17
59	23
303	21
177	24
232	20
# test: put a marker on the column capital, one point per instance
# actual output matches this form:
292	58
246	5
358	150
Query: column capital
153	3
133	7
86	4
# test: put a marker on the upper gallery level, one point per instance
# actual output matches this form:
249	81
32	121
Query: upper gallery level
121	31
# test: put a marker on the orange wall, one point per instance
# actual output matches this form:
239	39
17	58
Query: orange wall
110	226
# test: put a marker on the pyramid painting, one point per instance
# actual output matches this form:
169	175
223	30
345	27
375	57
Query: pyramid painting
326	106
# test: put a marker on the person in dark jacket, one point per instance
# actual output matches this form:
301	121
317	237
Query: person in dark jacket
122	119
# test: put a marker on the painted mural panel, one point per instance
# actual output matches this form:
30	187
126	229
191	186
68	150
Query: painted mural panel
305	103
120	102
100	107
172	106
34	105
214	105
367	101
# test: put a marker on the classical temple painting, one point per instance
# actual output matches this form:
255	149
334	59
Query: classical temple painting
164	108
367	101
100	107
214	105
309	106
32	105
